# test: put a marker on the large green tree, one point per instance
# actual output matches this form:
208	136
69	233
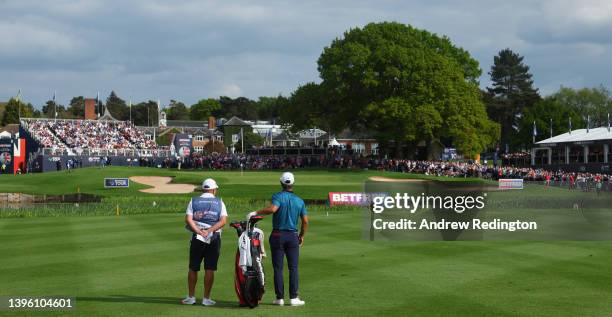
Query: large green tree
269	108
510	94
543	113
241	107
145	113
594	102
117	107
77	107
307	108
15	109
50	108
177	111
204	108
406	86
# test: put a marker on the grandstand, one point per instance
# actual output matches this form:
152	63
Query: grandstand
86	134
51	143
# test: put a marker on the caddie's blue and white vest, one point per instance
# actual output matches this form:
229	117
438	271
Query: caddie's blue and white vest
206	210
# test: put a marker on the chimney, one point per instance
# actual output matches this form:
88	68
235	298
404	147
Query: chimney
212	122
90	109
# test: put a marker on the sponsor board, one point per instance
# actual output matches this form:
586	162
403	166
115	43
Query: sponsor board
510	184
352	198
116	182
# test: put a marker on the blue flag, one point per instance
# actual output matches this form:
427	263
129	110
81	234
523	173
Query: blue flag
608	122
570	125
535	130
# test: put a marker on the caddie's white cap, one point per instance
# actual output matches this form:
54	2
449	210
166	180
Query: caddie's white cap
209	183
287	178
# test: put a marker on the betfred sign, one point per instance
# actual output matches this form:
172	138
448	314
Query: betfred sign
510	184
354	199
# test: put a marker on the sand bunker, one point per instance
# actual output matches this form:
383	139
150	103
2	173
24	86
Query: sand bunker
161	185
395	180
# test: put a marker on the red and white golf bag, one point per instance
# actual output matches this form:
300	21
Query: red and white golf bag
249	274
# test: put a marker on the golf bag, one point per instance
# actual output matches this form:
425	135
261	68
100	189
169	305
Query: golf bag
249	279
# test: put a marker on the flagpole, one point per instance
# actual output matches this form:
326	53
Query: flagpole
608	122
19	104
570	125
551	128
588	123
130	109
158	111
55	105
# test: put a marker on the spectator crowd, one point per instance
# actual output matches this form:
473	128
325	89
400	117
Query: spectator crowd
87	134
584	181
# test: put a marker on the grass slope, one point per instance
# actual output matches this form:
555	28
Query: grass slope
136	265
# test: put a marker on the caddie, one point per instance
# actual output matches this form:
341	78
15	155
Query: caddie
205	217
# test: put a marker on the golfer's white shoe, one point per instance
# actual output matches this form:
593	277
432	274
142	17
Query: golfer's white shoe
296	302
188	301
208	302
279	302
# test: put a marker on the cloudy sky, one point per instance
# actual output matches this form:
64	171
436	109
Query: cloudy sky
187	50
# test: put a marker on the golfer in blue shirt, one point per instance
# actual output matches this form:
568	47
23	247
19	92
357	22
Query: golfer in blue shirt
286	208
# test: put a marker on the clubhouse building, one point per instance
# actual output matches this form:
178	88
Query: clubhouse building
584	150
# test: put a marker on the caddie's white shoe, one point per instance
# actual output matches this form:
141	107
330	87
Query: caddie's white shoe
208	302
296	302
279	302
188	301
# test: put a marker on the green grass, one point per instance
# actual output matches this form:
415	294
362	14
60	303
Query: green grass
134	265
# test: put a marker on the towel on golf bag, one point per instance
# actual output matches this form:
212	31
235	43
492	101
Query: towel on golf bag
244	246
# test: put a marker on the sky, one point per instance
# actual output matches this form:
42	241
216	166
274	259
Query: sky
190	50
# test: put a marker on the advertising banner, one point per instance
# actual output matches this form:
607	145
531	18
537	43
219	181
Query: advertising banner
116	182
183	143
510	184
6	156
352	198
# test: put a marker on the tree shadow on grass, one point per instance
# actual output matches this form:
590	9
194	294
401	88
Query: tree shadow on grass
150	300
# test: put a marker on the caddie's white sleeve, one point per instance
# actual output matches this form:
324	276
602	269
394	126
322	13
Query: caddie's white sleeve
223	210
189	210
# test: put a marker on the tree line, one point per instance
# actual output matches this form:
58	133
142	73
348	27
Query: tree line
145	113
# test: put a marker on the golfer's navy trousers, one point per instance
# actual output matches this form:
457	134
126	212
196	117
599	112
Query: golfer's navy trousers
285	243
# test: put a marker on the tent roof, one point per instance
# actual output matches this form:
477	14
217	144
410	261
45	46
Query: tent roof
595	134
107	116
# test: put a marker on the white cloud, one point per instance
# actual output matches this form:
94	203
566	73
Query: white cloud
19	38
